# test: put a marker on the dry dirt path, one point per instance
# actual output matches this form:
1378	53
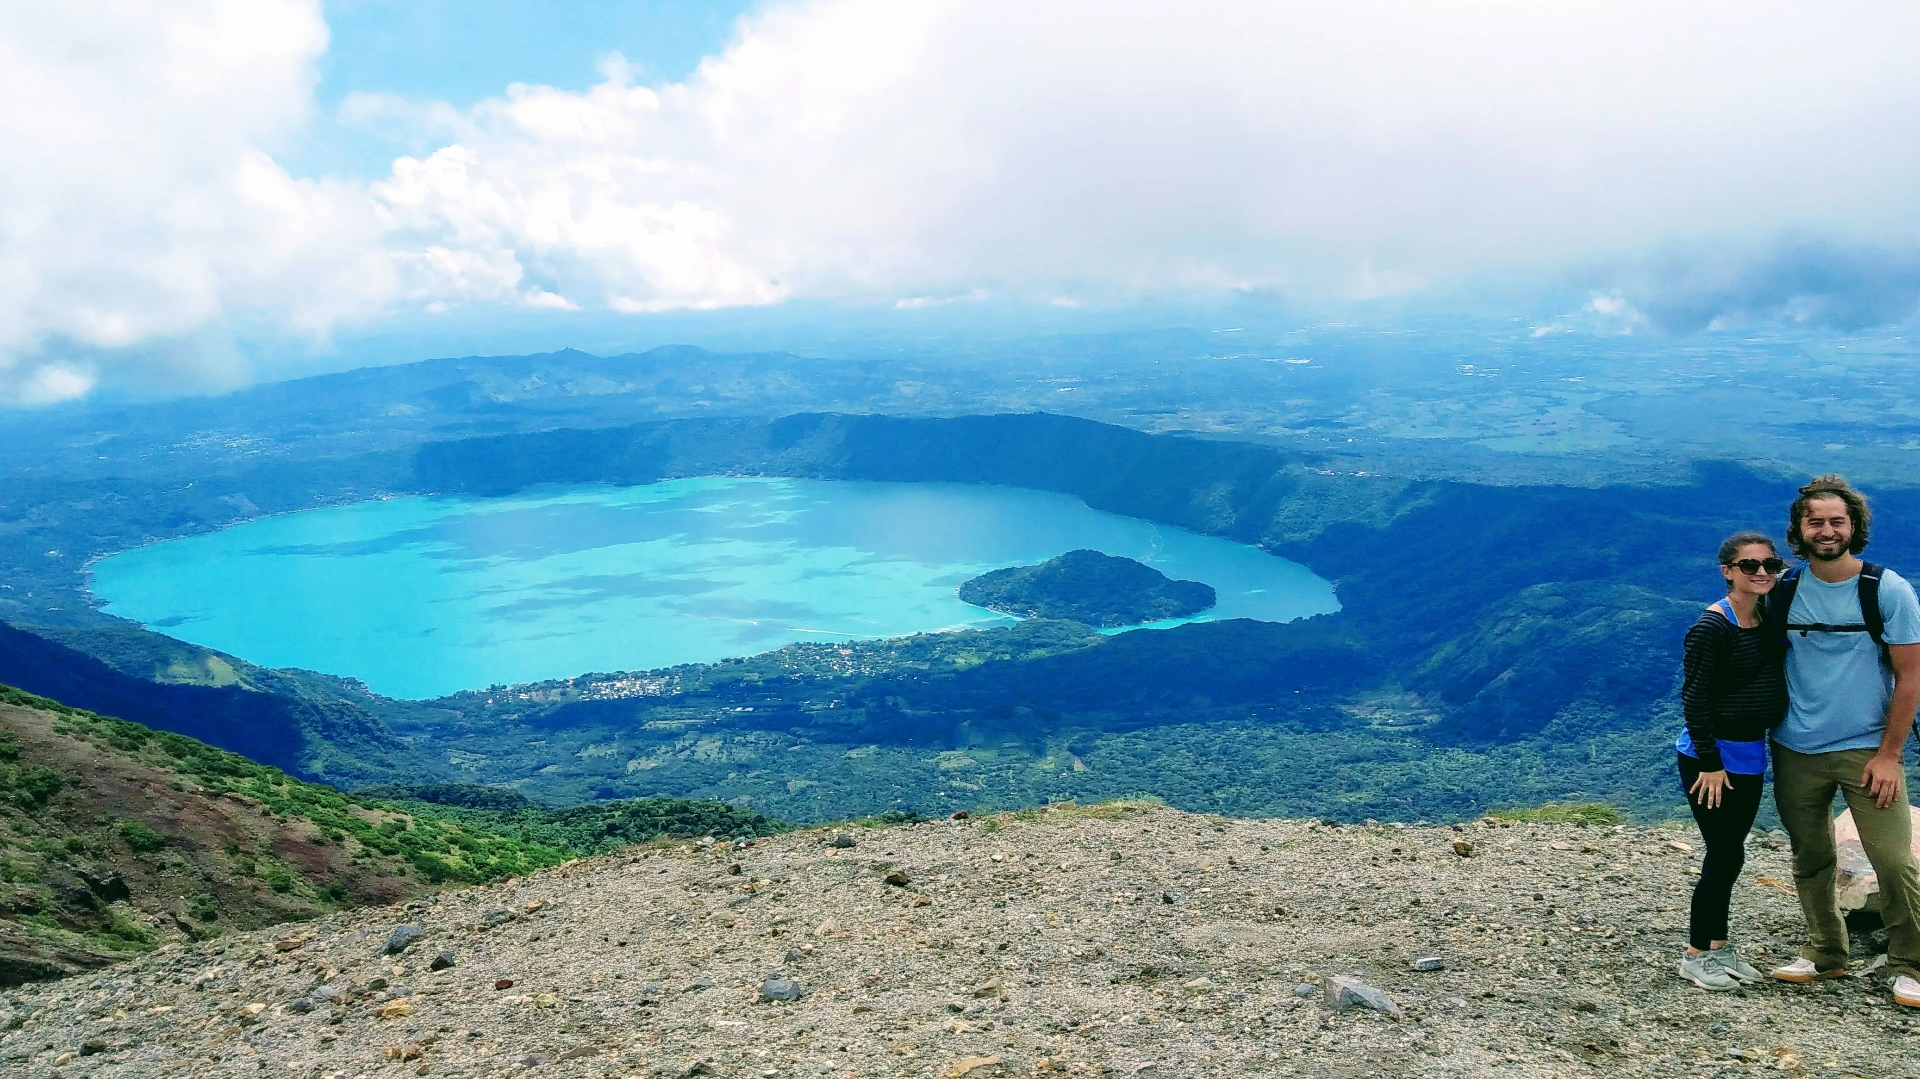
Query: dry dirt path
1119	940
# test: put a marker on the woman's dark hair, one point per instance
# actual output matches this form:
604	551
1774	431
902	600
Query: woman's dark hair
1829	486
1732	544
1730	547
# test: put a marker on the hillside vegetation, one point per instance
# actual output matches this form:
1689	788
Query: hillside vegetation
1088	587
115	837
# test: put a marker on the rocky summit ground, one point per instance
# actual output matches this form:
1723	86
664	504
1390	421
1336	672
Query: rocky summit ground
1119	940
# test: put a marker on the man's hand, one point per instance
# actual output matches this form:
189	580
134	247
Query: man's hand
1882	778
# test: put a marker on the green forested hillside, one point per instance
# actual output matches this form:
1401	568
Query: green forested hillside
115	837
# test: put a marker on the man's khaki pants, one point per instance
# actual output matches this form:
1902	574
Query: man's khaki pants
1803	787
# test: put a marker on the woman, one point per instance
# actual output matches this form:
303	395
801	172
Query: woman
1734	692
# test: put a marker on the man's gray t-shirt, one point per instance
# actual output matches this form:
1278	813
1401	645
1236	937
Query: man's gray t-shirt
1837	688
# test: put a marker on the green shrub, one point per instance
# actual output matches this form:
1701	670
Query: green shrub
1564	813
29	786
275	875
140	837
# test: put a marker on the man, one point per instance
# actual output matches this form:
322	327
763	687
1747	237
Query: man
1850	706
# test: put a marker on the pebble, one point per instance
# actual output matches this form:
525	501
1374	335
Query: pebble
841	840
898	878
1428	963
441	961
400	938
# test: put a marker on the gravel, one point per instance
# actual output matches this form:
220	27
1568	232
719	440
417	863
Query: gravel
1019	946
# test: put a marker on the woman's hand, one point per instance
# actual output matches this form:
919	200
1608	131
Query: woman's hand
1709	788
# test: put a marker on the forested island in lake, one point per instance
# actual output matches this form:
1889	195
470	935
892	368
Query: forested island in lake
1088	587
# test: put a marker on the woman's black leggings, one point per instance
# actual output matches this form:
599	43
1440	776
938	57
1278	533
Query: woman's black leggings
1725	830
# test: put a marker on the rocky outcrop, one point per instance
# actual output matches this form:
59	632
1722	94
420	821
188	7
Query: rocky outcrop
1855	883
1120	940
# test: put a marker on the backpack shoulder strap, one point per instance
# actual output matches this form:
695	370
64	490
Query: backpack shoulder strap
1870	613
1780	600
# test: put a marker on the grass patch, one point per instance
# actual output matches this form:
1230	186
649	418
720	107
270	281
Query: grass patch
1564	813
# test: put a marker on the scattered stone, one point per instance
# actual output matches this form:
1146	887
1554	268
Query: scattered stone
442	961
1167	898
503	983
898	878
1305	989
1340	993
93	1047
374	985
959	814
400	938
779	988
704	981
494	918
1198	985
301	1005
288	944
1428	963
1463	847
395	1009
968	1065
991	988
842	840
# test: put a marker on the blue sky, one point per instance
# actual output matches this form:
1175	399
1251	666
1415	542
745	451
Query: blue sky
206	192
460	53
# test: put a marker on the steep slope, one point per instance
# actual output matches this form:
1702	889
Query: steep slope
1118	940
212	698
115	838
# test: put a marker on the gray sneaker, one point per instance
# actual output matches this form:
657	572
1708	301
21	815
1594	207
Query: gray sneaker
1706	972
1729	960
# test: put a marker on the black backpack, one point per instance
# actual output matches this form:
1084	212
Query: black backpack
1874	623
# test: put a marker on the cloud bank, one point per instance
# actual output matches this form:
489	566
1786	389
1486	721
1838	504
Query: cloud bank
895	152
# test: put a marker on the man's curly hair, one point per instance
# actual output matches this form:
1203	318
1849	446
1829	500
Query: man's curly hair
1828	487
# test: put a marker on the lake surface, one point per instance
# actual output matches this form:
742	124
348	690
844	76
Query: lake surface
420	597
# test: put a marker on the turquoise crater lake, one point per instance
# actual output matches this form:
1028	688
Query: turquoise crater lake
420	597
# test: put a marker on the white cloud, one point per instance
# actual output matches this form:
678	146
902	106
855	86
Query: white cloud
875	149
864	149
136	201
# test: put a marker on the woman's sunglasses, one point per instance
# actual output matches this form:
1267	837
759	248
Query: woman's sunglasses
1755	565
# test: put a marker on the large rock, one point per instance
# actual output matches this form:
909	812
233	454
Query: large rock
1854	880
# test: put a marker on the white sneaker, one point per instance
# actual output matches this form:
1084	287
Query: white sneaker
1804	970
1729	959
1702	971
1906	992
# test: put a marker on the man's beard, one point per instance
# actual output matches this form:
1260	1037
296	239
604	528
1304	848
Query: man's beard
1839	552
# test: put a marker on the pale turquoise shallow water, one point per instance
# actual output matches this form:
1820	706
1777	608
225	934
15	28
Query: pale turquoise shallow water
420	597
